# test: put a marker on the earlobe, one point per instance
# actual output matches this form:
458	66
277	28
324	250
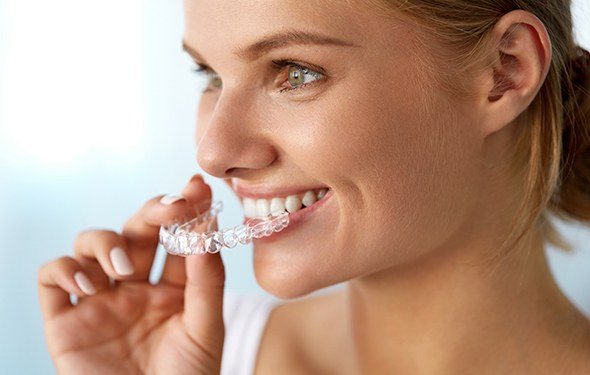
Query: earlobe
522	58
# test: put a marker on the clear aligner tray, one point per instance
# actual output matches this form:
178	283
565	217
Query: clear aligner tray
198	237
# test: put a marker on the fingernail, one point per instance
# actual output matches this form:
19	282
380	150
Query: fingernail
84	283
120	261
170	198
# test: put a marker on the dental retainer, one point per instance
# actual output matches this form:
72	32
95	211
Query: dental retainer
197	236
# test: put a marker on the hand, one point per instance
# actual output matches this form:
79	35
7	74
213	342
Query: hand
131	326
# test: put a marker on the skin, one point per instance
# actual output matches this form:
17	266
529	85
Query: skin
420	199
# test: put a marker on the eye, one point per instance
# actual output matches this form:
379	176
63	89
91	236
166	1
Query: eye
211	75
298	75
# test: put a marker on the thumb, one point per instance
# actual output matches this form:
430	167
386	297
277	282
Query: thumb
203	301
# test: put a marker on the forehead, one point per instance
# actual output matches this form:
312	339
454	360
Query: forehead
236	23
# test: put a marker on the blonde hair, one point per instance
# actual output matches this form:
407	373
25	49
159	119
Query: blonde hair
553	145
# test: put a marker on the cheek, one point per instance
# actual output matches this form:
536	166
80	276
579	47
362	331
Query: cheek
418	173
401	160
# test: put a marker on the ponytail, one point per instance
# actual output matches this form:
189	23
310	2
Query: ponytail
572	200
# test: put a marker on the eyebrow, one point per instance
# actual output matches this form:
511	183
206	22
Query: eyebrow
276	40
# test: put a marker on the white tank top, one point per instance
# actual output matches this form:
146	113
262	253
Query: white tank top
245	318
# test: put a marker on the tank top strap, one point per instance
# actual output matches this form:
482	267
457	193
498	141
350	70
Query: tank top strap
245	318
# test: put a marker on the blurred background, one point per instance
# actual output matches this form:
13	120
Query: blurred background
97	115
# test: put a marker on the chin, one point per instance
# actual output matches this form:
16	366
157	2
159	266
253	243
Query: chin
284	285
286	281
289	279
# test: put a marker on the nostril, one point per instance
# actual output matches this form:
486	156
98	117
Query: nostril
231	171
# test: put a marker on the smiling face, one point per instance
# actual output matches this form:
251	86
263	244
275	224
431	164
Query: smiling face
399	156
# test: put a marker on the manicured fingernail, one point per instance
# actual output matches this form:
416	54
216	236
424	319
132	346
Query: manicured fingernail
120	261
84	283
171	198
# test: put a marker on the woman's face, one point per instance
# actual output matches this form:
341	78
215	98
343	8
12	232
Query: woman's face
399	156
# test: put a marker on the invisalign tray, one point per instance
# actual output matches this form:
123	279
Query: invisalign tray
189	238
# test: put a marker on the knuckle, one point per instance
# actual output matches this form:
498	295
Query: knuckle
82	238
50	269
42	271
84	234
91	239
43	267
64	262
154	201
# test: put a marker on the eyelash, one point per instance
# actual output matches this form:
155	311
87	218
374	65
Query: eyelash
278	65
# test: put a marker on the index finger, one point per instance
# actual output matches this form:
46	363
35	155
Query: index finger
142	230
199	195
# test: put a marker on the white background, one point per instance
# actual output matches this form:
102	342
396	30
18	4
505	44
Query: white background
97	115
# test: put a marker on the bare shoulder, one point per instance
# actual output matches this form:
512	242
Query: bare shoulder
295	339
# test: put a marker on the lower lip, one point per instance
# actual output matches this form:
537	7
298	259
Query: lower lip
295	219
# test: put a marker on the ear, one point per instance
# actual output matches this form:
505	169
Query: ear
522	57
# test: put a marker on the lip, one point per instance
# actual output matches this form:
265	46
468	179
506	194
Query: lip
296	219
266	192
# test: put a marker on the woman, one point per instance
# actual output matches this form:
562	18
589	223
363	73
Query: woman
444	132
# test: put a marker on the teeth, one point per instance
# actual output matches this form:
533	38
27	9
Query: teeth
292	203
308	198
262	207
249	207
277	205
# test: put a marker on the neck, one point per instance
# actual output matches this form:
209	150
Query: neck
448	314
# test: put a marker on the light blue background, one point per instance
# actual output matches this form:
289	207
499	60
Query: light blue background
97	115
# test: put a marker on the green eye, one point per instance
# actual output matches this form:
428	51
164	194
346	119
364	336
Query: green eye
216	81
295	76
213	78
300	76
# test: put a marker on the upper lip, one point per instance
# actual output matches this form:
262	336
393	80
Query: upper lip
266	192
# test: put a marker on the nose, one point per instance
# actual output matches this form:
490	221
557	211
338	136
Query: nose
233	143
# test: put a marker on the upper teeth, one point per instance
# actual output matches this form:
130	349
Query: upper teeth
292	203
